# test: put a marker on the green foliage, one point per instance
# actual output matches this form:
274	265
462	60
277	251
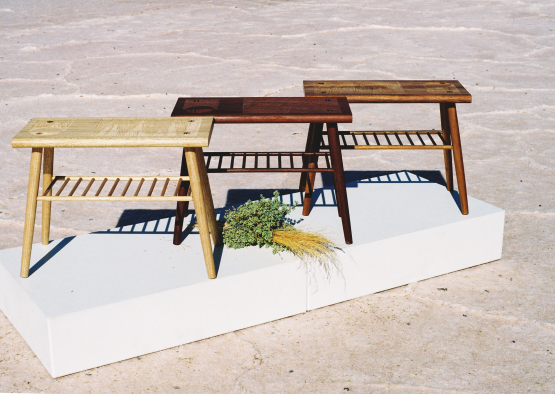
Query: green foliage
254	223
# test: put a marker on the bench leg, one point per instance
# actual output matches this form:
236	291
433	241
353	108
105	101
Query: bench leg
182	206
200	210
447	156
307	148
47	169
339	177
209	202
30	210
457	153
307	178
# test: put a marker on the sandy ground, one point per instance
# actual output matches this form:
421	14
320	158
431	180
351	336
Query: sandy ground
491	331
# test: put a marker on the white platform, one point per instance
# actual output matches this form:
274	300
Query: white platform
104	297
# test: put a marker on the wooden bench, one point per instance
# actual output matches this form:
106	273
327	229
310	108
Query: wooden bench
45	134
315	111
445	93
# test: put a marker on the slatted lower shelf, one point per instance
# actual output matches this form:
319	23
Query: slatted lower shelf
217	162
114	188
414	139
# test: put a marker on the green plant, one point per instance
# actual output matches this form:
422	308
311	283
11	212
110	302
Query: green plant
254	223
263	223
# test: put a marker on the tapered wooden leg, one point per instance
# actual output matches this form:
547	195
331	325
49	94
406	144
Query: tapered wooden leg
208	201
339	176
200	210
312	145
47	168
307	148
182	206
30	210
446	132
458	156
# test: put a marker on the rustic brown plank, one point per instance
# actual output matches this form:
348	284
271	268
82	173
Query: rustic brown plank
400	91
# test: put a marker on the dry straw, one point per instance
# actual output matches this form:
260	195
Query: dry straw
311	247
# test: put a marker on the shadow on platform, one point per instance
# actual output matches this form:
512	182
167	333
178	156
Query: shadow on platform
159	221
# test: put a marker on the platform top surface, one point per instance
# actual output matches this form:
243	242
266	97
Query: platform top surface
447	91
115	132
92	270
266	109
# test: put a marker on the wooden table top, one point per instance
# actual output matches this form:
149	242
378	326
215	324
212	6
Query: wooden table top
448	91
266	109
115	132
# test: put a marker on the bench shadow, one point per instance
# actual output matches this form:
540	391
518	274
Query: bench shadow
352	178
134	221
62	244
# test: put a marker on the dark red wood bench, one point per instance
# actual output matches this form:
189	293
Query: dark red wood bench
313	110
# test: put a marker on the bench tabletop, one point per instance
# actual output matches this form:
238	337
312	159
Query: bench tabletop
447	91
266	109
115	132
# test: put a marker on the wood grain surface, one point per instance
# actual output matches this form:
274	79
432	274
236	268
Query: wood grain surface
266	109
115	132
447	91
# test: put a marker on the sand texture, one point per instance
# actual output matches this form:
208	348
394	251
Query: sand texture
491	330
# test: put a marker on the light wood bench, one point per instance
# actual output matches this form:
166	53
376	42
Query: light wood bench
445	93
45	134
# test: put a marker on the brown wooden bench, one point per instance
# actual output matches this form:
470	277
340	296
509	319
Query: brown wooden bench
445	93
313	110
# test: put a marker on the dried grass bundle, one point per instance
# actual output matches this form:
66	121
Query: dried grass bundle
310	247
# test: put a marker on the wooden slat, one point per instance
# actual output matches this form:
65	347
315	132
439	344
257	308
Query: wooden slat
152	187
115	198
421	140
51	186
387	138
295	169
101	186
165	187
124	192
258	167
431	139
442	139
381	132
75	187
177	188
122	178
139	187
63	187
390	145
88	187
113	187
